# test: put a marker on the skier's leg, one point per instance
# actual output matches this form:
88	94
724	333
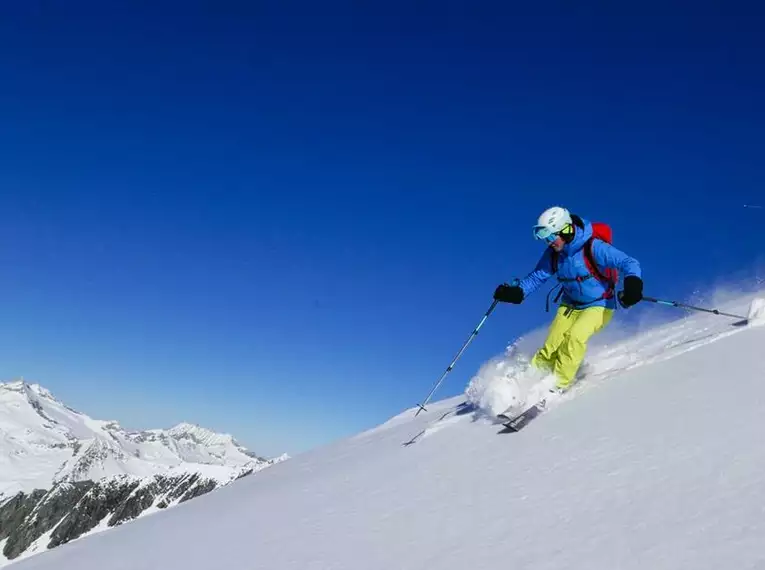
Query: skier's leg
544	359
571	352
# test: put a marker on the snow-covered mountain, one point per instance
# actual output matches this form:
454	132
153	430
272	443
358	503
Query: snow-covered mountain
651	461
62	473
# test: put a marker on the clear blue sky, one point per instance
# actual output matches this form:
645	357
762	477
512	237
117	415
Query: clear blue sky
281	220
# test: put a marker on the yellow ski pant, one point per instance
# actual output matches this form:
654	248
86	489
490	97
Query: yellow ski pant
563	351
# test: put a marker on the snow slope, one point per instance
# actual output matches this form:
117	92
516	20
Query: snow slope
653	461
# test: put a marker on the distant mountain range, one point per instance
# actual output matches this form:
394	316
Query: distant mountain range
64	474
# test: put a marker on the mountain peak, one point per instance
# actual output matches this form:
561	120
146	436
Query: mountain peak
14	386
200	434
187	426
25	387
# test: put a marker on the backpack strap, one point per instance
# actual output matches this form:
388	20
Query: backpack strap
559	288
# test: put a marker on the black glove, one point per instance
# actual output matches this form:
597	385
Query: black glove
509	294
633	291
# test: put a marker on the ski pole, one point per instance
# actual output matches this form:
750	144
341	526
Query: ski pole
692	308
456	358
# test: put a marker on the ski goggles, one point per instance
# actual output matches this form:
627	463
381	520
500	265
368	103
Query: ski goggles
545	234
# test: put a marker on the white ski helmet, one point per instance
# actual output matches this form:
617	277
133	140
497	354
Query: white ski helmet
551	221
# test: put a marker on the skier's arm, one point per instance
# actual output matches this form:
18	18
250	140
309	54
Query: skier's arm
541	273
607	255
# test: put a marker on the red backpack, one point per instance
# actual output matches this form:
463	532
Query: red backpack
610	277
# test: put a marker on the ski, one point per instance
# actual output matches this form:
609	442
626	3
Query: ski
517	423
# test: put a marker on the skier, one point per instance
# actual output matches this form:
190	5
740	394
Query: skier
579	253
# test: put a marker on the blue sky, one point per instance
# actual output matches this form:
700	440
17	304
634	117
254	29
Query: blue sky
282	221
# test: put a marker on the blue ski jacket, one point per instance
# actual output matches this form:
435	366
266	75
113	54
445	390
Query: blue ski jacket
571	264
